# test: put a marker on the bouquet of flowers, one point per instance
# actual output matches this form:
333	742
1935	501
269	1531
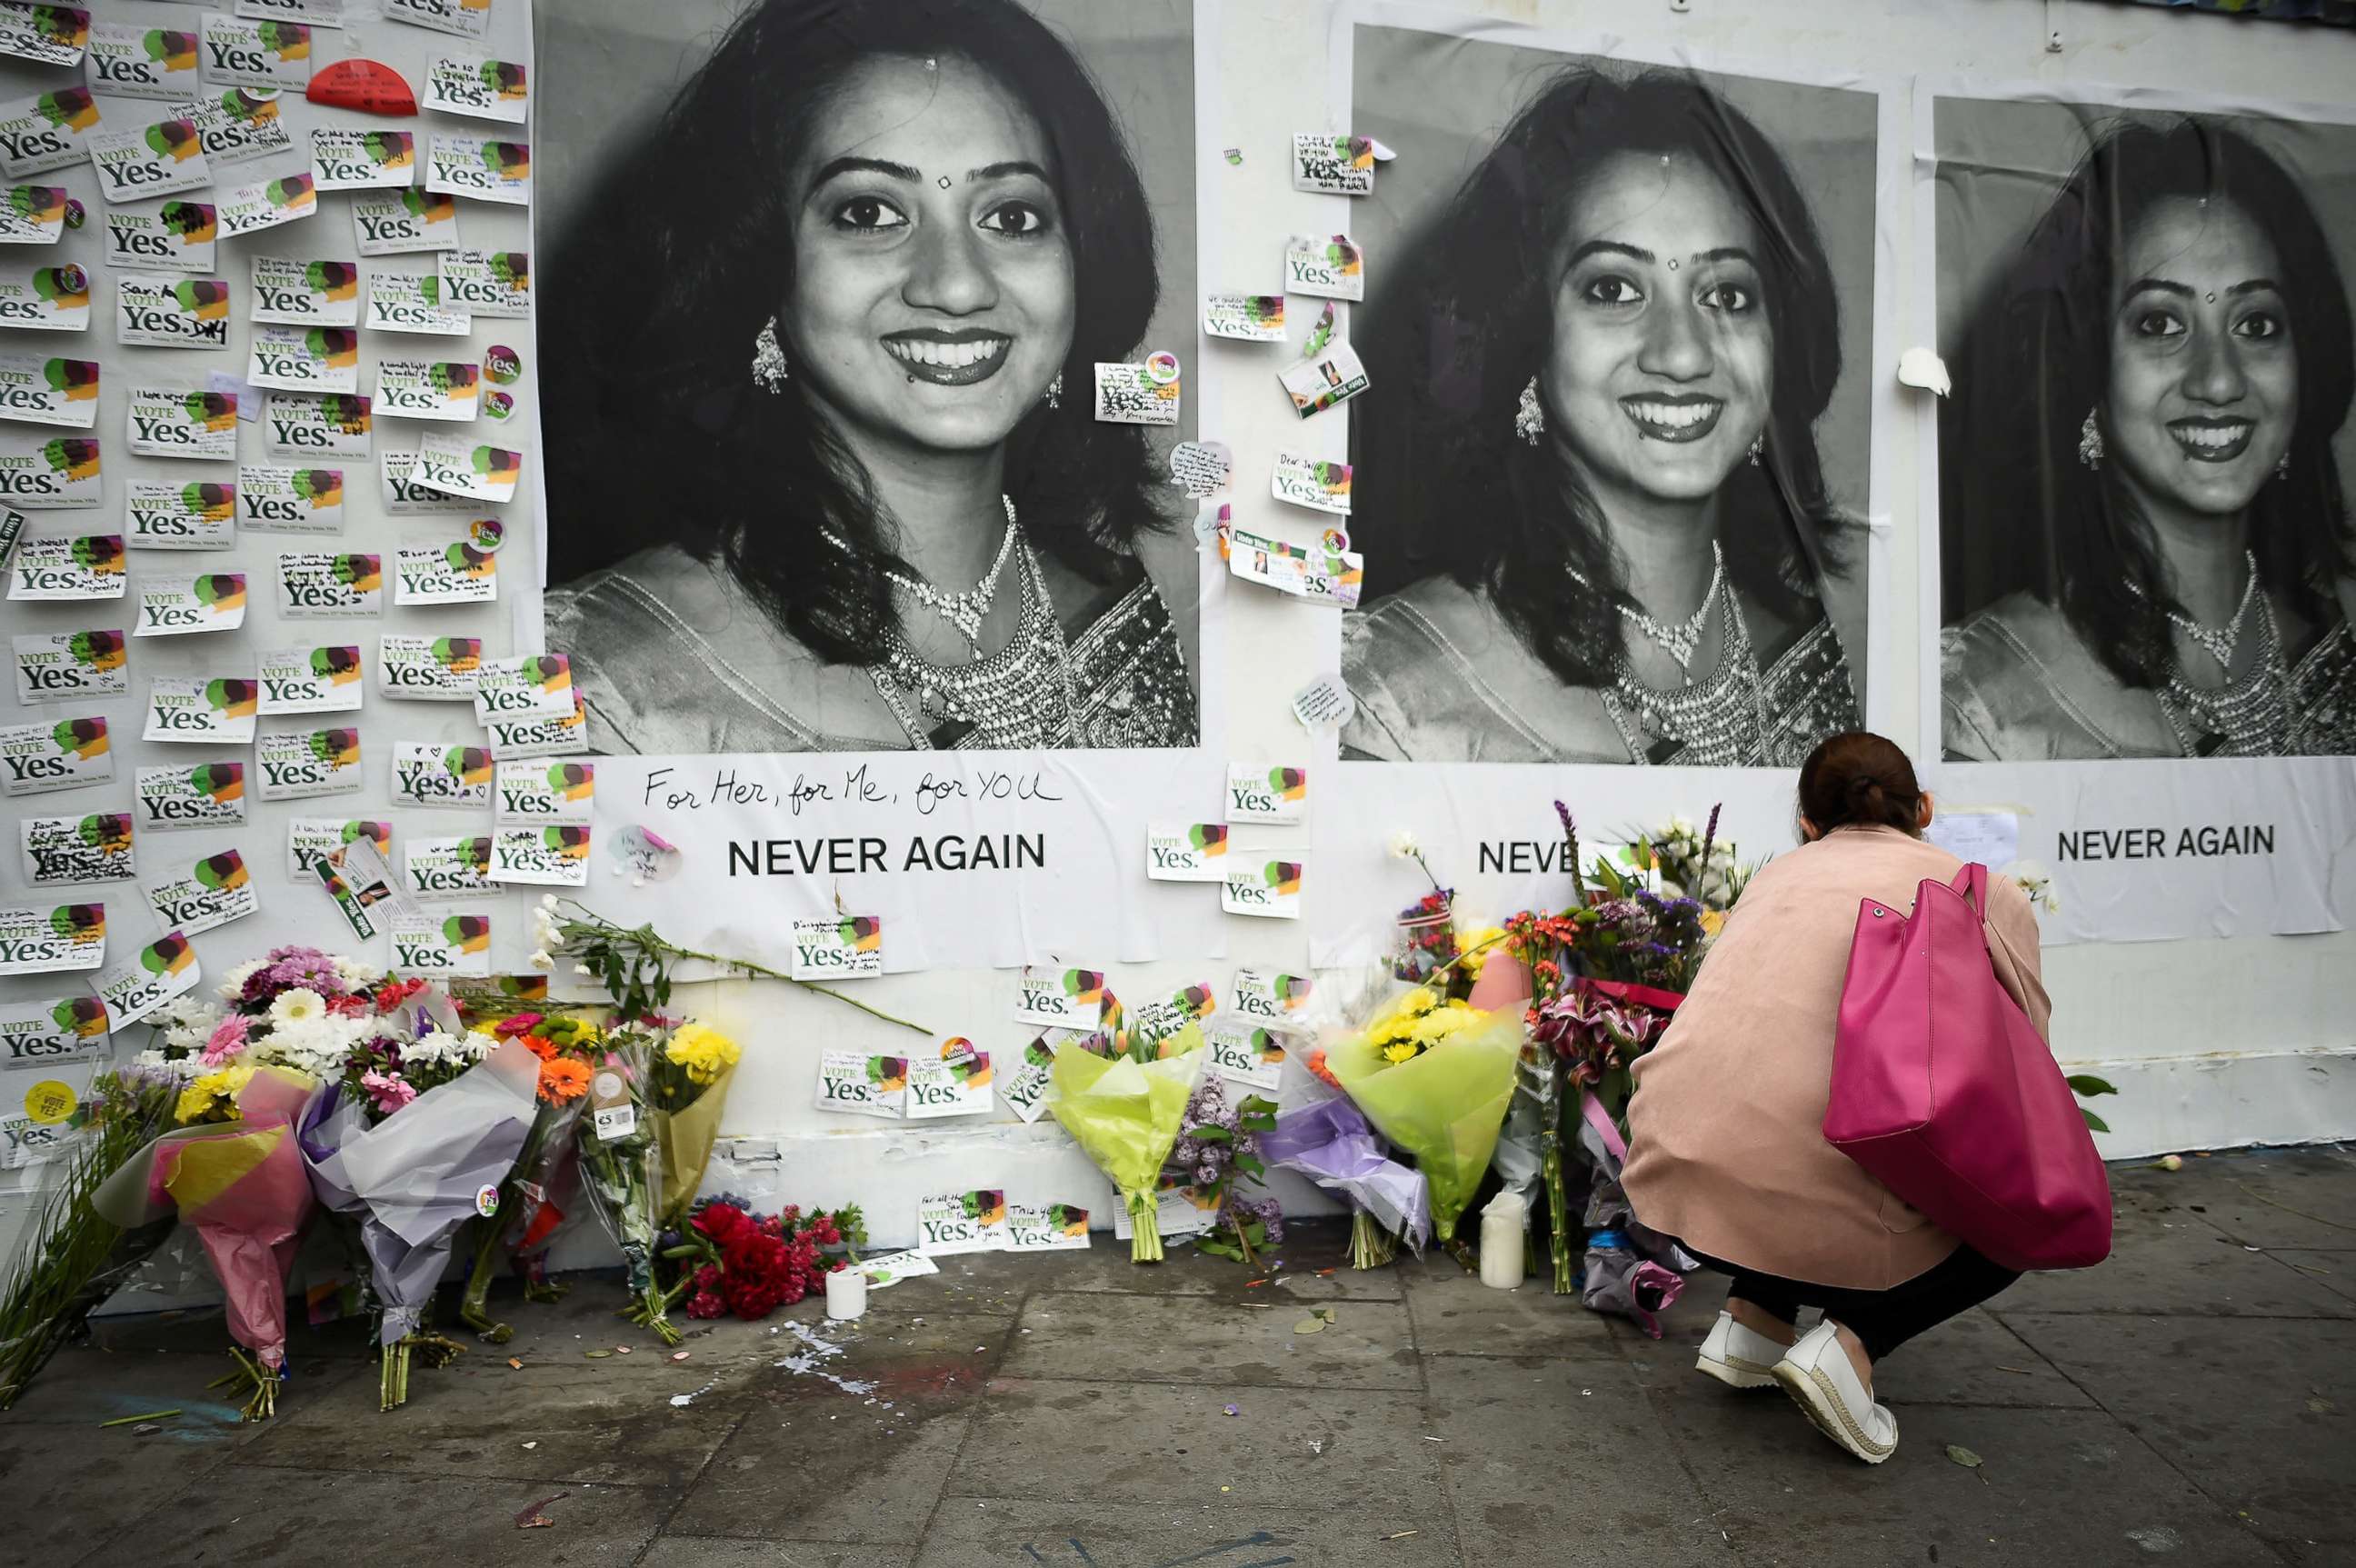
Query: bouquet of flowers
71	1258
621	1162
232	1170
736	1262
528	1214
1322	1135
654	1107
693	1072
1126	1109
1434	1077
412	1139
1605	977
1217	1151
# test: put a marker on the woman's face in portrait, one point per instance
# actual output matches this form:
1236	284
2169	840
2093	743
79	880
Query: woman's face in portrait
933	298
2204	371
1662	368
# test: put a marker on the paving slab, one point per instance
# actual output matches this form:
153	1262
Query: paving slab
984	1532
803	1473
722	1552
2060	1487
73	1488
2261	1417
1456	1315
2178	1267
1166	1443
1193	1339
850	1449
2286	1199
2334	1271
1542	1456
264	1517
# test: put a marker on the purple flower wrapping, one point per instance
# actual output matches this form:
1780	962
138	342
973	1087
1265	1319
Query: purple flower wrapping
1331	1142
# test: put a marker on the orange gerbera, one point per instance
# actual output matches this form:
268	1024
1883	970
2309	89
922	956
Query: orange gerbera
544	1049
562	1079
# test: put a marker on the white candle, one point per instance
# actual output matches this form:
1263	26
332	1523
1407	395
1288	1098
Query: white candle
846	1293
1502	1224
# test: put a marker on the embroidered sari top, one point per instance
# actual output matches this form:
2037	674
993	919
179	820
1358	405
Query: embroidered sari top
2017	684
672	657
1430	670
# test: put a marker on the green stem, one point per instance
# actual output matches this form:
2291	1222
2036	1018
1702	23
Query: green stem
127	1420
1558	1197
767	973
474	1307
647	937
1145	1230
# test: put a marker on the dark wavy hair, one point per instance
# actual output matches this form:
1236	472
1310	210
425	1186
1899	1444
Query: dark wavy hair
656	432
1467	319
2020	511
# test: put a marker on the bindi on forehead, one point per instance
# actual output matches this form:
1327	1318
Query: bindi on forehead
943	121
1659	203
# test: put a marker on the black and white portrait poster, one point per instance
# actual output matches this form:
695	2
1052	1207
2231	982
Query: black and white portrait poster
827	289
1612	481
1614	478
2145	573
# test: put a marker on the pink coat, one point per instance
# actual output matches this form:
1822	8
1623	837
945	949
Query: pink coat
1727	1147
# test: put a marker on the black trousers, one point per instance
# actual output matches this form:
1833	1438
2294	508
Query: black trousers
1881	1319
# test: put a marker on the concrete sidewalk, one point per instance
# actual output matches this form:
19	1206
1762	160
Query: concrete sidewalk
2193	1401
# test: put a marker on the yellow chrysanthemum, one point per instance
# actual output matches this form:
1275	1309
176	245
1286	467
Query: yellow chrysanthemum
704	1051
1485	942
213	1095
1403	1050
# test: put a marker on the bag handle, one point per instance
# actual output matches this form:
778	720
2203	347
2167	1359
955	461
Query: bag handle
1971	883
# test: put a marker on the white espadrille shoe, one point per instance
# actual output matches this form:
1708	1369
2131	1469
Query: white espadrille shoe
1738	1356
1823	1381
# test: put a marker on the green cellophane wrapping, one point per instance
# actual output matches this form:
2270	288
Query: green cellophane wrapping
1443	1106
1127	1114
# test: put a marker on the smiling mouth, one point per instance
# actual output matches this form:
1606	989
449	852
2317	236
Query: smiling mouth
1687	418
950	358
2212	440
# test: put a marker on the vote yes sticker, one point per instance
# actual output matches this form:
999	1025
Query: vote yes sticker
49	1102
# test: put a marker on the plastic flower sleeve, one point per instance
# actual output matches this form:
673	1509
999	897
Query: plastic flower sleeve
241	1186
621	1168
686	1136
420	1170
1442	1107
1330	1143
1126	1115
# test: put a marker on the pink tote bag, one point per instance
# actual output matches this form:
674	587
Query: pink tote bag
1942	1091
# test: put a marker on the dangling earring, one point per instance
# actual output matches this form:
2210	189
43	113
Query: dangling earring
2090	442
1055	390
1758	444
768	359
1529	414
2281	465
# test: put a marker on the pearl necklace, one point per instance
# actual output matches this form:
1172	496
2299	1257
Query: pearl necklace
2220	642
965	611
